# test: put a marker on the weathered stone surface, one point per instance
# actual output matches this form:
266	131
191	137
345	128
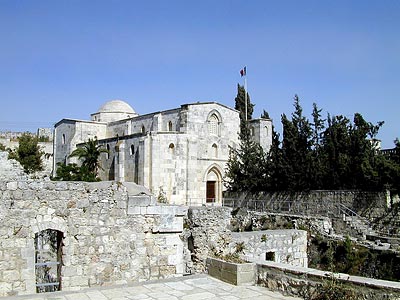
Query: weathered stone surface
298	281
102	242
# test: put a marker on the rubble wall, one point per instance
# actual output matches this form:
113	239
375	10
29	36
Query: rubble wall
208	233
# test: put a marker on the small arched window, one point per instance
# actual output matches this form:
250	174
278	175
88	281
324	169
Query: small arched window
63	139
252	131
132	150
169	126
213	124
108	151
171	148
214	152
143	129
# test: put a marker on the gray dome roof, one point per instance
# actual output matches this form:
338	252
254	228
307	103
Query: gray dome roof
118	106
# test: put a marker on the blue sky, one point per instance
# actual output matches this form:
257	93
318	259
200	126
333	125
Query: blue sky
64	59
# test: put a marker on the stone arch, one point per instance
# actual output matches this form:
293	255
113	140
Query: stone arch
213	181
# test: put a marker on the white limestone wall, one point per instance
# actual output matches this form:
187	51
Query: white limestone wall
75	132
262	133
109	236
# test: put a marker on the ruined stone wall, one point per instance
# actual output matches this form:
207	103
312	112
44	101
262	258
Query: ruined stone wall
110	236
308	283
285	246
208	233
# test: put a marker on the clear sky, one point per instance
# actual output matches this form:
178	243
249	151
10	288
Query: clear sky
64	59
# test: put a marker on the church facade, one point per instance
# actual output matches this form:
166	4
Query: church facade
179	154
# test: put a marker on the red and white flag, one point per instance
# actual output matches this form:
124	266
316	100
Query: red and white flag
243	72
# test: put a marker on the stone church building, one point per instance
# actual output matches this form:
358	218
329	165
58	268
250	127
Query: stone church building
179	154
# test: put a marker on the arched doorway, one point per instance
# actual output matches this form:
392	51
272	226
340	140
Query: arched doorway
213	185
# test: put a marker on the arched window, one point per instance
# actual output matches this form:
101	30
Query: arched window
132	150
143	129
169	126
252	131
214	152
213	124
171	148
63	139
108	151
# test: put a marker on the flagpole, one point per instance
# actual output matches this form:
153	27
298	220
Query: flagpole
245	96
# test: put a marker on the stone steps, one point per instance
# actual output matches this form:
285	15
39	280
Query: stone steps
359	225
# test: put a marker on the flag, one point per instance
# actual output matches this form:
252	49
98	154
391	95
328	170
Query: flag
243	72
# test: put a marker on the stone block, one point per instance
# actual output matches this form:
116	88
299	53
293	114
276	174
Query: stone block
171	224
11	275
12	186
133	210
154	210
139	201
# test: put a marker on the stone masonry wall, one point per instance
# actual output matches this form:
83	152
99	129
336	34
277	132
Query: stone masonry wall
308	283
207	232
313	203
110	236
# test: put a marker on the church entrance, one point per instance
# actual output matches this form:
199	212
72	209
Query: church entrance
210	197
213	186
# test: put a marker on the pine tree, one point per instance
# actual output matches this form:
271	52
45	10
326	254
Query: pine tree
265	115
296	148
246	168
241	107
28	153
317	167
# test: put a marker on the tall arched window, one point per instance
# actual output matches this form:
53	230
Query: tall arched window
213	124
143	129
169	126
132	150
63	139
108	151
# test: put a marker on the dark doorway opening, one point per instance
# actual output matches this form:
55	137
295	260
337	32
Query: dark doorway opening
210	195
48	260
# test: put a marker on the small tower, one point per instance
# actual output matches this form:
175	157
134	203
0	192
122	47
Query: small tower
261	132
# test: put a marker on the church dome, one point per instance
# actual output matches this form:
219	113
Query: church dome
116	106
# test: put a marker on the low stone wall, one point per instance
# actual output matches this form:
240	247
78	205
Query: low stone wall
303	282
233	273
208	234
285	246
112	233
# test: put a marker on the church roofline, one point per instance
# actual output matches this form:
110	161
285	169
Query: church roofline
209	102
66	120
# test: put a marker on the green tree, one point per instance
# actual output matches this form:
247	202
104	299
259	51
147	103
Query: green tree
246	168
265	114
296	149
89	154
275	177
317	165
28	153
336	139
240	105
